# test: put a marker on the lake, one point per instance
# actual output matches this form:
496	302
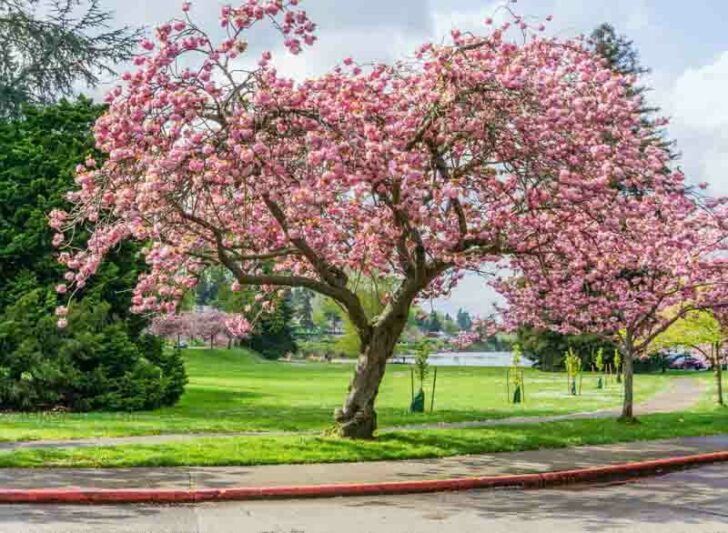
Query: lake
465	359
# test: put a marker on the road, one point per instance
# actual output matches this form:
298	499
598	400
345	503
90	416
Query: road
692	501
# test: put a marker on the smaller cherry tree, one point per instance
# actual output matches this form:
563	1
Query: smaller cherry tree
629	282
208	325
169	327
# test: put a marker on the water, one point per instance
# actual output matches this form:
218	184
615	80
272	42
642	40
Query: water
466	359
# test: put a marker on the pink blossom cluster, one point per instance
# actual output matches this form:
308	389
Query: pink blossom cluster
480	330
238	326
466	338
630	281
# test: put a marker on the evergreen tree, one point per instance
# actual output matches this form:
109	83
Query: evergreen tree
449	325
433	323
213	283
272	337
103	360
463	320
618	50
47	47
622	56
547	348
304	308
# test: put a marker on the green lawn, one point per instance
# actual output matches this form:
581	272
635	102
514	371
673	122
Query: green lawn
233	390
395	445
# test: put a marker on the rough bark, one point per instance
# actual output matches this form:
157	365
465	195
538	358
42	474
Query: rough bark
628	378
718	364
357	418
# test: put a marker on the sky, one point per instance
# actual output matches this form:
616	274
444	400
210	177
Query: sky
685	44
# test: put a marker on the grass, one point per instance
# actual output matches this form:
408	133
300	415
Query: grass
395	445
234	390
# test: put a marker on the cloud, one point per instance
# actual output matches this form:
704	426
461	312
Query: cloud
630	15
364	45
472	294
467	20
699	109
700	95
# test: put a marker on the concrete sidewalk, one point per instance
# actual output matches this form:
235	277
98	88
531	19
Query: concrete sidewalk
537	461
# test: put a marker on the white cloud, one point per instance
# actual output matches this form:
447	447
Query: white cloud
469	20
472	294
364	45
631	15
700	95
699	108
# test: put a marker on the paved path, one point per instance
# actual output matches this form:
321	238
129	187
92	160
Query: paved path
681	394
693	501
373	471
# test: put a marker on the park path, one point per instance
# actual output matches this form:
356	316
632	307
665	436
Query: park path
680	395
492	464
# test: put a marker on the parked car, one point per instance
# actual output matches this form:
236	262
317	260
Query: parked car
687	362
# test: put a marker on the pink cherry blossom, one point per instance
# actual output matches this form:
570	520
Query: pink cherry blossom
238	326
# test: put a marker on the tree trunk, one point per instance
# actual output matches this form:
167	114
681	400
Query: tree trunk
718	373
628	375
357	418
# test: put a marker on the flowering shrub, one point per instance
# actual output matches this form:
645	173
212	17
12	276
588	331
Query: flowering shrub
93	364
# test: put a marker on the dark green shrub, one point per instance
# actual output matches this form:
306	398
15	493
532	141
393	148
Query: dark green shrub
94	364
547	349
273	337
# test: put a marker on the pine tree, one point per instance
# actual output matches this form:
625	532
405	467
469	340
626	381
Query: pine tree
433	324
46	48
622	56
102	360
463	320
304	309
272	337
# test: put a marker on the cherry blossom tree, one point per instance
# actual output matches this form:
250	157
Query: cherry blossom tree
207	325
630	282
417	171
169	326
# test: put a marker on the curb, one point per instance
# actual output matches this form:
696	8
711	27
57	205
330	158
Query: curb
622	471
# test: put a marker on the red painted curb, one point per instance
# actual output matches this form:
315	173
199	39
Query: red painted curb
542	480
